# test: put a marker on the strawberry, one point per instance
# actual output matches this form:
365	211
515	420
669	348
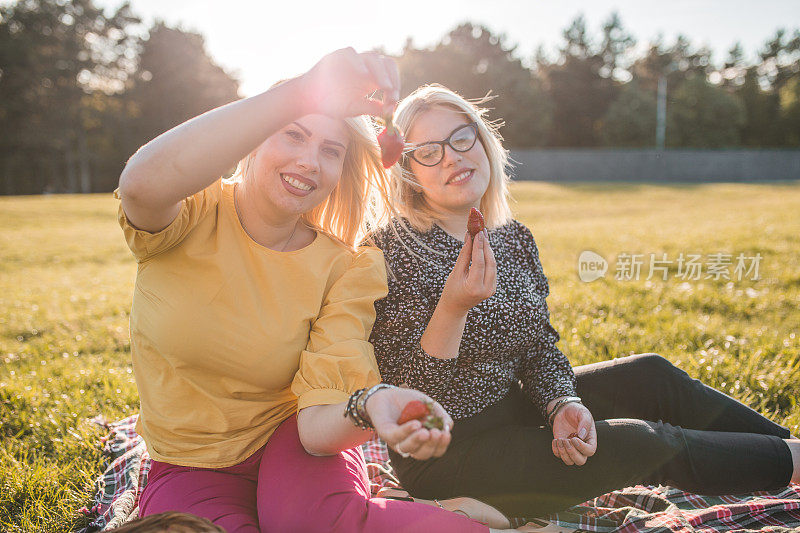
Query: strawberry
414	410
422	411
475	224
391	142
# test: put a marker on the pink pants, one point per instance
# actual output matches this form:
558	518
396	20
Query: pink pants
282	488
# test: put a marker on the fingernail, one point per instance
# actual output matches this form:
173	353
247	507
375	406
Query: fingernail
582	433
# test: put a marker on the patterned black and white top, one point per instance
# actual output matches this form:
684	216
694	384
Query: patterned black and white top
507	339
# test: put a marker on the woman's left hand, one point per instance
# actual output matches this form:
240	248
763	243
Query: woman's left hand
570	419
384	409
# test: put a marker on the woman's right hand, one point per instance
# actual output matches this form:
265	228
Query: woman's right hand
341	83
384	408
470	284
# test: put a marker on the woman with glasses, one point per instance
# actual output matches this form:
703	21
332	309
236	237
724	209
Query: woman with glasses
466	322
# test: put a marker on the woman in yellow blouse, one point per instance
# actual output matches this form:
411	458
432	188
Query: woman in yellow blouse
253	306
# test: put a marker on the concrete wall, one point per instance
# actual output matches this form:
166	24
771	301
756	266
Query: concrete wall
572	164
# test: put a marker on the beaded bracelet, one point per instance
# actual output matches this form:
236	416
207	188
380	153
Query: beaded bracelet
351	413
356	408
361	403
559	404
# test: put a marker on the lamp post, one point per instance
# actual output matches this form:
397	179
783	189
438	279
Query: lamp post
661	112
661	106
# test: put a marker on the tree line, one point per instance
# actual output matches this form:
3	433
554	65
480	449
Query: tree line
81	90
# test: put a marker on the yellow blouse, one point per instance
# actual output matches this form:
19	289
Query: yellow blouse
229	338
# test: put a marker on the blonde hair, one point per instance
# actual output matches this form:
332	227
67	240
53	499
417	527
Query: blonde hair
406	196
357	203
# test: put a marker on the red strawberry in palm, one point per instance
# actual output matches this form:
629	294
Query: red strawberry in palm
414	410
422	411
475	223
391	142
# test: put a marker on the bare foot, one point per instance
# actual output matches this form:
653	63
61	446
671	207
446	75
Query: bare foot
477	510
388	492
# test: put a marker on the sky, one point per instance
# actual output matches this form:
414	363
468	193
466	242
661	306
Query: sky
261	42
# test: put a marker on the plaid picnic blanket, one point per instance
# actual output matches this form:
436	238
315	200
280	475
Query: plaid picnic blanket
630	510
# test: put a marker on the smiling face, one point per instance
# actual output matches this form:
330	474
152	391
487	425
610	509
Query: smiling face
460	180
298	167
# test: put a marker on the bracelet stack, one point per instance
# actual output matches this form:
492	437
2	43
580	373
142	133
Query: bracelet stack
350	410
356	409
559	404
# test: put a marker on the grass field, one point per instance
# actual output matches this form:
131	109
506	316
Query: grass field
66	279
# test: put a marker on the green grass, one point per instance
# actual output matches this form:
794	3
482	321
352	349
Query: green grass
66	280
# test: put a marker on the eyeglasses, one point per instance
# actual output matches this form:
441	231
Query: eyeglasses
430	154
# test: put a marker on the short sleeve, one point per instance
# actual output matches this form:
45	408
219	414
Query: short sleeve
339	359
145	244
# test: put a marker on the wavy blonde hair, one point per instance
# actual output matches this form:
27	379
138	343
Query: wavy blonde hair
358	202
407	195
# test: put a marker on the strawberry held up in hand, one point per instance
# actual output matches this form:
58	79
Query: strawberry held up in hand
391	141
475	222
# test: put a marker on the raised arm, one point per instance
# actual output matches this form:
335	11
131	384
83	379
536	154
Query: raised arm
472	280
191	156
417	342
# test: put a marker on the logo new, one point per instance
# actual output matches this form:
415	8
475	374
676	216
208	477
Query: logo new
591	266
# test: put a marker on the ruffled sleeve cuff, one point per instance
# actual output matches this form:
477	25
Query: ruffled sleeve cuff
322	397
338	359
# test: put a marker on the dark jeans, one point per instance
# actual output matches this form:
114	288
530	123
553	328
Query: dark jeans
655	425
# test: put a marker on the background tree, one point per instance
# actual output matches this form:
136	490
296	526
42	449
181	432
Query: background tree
780	60
581	82
702	115
474	62
789	97
51	54
762	112
677	62
631	119
81	90
615	49
175	80
733	70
